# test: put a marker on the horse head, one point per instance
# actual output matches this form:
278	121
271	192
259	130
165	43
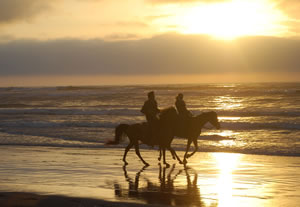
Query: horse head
213	119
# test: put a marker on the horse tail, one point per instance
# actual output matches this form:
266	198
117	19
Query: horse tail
119	131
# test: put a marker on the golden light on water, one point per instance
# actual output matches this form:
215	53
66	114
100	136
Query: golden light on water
227	102
230	118
231	19
226	133
226	163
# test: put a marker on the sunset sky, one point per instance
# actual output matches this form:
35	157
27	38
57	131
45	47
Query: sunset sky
95	42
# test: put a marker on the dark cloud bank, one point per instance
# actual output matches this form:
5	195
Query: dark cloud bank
14	10
165	54
20	10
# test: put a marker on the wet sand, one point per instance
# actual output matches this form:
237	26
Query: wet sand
45	176
29	199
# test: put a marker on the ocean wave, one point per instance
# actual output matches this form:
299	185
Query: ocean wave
236	126
23	106
264	118
128	110
14	105
196	89
68	111
96	88
250	113
178	148
259	126
49	124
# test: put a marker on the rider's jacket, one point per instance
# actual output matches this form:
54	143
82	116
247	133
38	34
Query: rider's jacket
181	108
150	109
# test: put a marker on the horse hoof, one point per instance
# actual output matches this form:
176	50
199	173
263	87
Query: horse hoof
167	165
159	159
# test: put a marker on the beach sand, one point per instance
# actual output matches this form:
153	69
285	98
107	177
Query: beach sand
48	176
30	199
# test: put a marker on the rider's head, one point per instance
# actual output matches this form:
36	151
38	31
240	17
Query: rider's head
151	95
179	96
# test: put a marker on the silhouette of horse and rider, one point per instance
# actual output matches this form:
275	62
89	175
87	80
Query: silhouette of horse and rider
162	126
165	190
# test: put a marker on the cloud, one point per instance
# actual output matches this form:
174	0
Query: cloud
131	24
270	54
290	7
6	38
183	1
155	17
122	36
13	10
164	54
20	10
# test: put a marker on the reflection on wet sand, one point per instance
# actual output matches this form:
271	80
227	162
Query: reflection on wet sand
164	191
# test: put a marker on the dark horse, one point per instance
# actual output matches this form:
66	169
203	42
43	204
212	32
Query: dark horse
138	132
192	130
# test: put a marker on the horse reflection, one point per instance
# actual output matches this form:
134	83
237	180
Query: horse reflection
165	191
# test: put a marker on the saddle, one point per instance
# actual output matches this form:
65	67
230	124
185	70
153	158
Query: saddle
183	126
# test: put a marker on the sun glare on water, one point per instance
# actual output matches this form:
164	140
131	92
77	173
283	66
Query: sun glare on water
227	164
231	19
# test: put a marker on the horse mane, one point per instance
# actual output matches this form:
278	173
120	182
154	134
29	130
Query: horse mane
165	113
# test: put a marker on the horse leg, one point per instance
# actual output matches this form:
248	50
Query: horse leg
137	151
125	153
195	148
175	155
187	149
159	157
164	157
160	154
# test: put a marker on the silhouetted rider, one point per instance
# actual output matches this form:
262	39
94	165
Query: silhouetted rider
181	107
150	108
151	111
183	113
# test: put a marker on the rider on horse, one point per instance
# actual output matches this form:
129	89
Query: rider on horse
151	111
184	114
181	107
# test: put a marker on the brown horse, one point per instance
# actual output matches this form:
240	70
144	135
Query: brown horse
192	130
139	132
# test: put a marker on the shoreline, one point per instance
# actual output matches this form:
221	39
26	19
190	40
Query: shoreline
210	178
146	147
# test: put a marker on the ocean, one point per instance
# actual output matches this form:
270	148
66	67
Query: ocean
255	118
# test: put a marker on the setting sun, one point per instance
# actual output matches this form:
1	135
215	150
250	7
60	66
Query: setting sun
229	20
